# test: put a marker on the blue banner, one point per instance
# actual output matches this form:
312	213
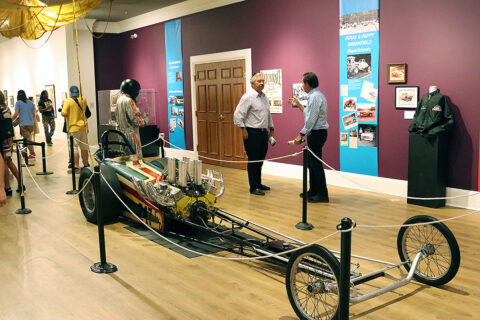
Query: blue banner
359	58
176	109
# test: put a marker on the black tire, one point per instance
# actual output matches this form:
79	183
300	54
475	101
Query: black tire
443	255
111	206
302	283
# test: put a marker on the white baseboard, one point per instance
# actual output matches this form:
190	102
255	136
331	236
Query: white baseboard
394	187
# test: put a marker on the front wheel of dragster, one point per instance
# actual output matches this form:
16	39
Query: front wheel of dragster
312	282
442	255
111	206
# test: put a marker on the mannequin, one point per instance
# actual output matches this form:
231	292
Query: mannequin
432	89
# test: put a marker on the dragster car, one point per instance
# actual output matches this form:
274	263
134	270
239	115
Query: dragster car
174	197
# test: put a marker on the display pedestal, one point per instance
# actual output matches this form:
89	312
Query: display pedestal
427	169
148	134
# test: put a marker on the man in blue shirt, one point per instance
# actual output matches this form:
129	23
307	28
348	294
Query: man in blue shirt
25	111
315	115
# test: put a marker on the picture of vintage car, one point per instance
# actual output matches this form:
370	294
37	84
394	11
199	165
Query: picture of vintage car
358	66
406	97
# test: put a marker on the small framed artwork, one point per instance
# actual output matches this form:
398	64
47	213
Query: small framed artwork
406	97
397	73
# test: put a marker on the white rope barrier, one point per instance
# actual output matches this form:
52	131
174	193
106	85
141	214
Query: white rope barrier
44	193
384	192
210	255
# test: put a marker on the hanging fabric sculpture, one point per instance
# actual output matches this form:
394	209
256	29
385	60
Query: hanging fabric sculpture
30	19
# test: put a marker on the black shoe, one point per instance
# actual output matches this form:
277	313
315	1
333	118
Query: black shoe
264	187
70	165
8	191
19	189
257	192
317	199
309	194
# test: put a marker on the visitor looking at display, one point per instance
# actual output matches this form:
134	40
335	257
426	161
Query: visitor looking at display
315	115
6	149
253	116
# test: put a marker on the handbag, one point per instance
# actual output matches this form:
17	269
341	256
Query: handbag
6	128
16	122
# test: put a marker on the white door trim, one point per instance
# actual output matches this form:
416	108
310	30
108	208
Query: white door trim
215	57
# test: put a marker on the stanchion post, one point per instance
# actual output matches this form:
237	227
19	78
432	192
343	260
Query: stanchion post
345	257
72	163
22	210
103	266
44	162
304	225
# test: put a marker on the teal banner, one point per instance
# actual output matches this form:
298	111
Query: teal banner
359	59
176	110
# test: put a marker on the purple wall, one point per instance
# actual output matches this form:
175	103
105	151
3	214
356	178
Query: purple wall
430	36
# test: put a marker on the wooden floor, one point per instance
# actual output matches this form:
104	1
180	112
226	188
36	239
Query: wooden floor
45	258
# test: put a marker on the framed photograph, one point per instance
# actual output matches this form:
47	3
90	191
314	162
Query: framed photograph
397	73
406	97
12	103
51	95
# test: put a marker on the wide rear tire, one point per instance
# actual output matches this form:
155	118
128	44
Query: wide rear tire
110	205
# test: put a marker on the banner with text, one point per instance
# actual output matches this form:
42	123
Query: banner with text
176	110
359	57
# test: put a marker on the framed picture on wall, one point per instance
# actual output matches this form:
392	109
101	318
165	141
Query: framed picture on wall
397	73
12	103
406	97
51	95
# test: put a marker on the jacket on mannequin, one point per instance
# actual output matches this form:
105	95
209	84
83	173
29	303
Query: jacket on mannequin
433	115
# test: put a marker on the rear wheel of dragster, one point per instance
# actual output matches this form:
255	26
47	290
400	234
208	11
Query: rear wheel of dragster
111	206
439	245
312	284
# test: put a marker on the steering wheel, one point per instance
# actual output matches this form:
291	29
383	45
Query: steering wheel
107	152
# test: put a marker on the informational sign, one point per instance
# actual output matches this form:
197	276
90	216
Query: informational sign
273	89
176	110
359	57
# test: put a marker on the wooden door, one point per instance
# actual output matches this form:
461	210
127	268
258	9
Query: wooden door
219	87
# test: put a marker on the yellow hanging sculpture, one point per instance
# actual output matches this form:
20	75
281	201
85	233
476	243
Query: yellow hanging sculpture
30	19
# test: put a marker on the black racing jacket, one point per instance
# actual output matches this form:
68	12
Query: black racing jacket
433	115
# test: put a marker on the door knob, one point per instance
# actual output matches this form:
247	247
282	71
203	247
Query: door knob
220	117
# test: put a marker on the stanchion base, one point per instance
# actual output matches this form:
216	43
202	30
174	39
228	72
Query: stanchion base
72	192
304	226
103	268
44	173
30	165
23	211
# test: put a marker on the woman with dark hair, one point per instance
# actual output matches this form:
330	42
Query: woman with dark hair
25	111
46	109
6	149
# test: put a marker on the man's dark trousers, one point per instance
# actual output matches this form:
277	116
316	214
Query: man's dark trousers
256	147
318	184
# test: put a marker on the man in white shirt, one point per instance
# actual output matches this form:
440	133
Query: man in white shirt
253	116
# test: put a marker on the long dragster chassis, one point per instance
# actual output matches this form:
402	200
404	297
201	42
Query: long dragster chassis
174	198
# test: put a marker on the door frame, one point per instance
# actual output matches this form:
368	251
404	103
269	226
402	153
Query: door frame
245	54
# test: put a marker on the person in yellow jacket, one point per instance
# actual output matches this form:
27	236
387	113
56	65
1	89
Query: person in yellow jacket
76	112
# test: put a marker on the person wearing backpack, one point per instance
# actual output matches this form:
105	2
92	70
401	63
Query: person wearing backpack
76	112
48	119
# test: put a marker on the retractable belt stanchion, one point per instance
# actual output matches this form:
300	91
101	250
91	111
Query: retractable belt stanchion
22	210
103	266
304	225
72	164
345	257
44	162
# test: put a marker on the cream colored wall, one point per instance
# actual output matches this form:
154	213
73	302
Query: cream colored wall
31	69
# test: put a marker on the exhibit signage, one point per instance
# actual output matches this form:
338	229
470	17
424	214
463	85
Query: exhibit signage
273	89
176	110
359	59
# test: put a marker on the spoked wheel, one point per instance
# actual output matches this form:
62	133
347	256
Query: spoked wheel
438	244
312	283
